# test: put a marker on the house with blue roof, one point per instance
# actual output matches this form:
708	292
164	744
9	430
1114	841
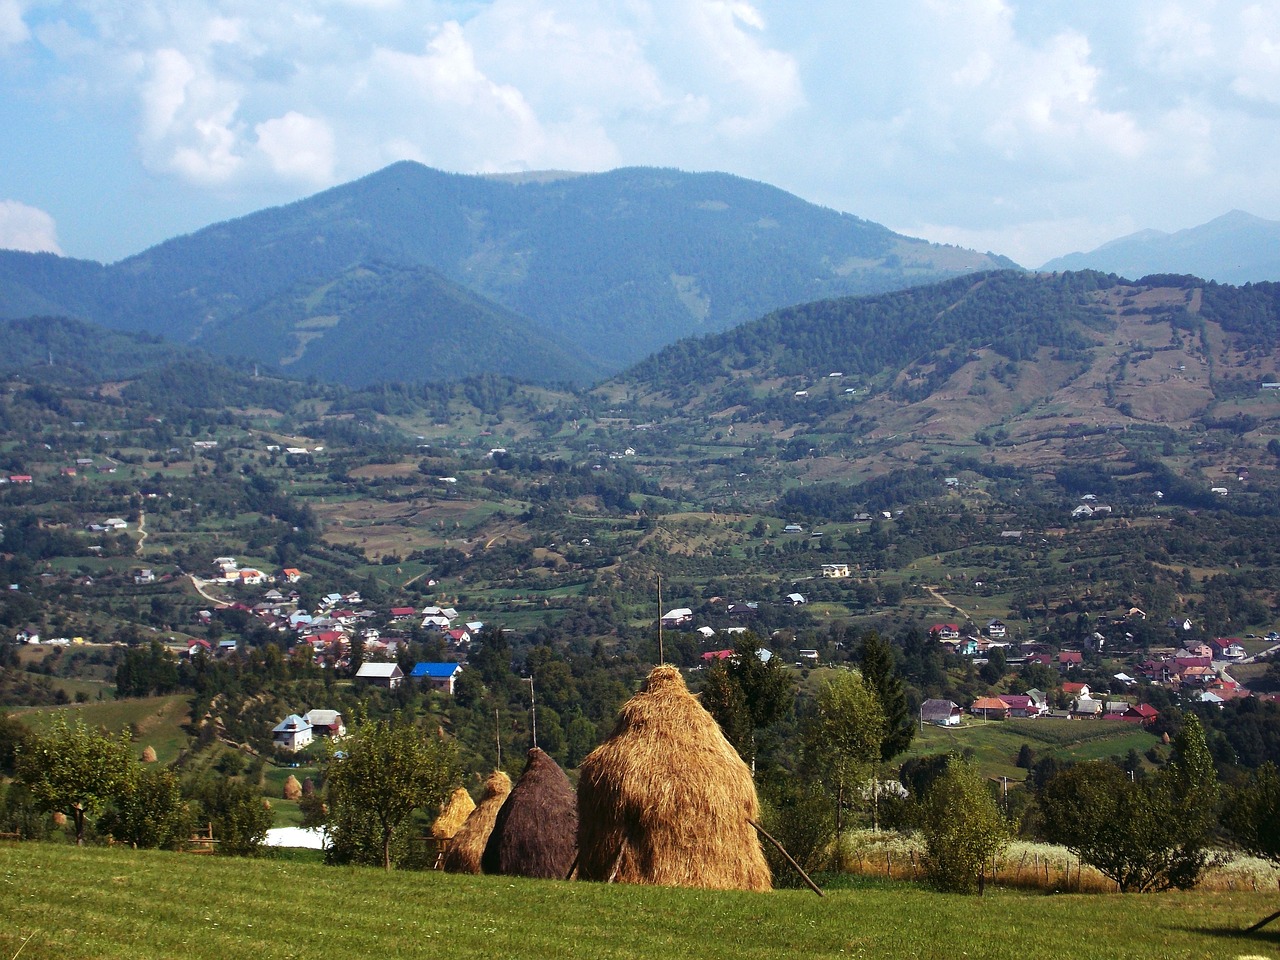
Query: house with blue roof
437	676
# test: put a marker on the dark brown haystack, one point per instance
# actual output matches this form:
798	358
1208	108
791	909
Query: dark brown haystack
454	815
667	800
467	846
536	831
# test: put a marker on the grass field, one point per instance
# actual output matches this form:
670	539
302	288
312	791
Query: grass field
64	903
156	721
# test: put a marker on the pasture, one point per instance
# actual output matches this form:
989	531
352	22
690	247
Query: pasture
64	903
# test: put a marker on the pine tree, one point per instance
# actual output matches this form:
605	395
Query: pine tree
879	670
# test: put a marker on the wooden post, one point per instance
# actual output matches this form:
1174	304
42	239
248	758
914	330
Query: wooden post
783	850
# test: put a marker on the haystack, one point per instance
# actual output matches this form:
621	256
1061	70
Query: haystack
454	815
535	834
464	853
667	800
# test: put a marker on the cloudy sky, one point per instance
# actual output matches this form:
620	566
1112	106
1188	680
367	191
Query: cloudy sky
1028	127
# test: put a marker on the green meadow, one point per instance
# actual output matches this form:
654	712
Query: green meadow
64	903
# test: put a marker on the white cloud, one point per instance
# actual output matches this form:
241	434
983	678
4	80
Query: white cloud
23	227
13	29
298	146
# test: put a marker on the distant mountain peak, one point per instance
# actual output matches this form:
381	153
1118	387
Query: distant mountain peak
1237	247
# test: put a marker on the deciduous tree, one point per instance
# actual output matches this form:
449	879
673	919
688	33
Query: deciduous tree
963	828
843	736
385	772
73	770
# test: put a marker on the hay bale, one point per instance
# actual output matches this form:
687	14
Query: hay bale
454	815
464	853
667	800
536	832
149	754
292	788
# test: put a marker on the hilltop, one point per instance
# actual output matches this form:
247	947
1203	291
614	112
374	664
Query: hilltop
589	272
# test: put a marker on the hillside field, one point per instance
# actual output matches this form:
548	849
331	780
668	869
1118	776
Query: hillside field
65	903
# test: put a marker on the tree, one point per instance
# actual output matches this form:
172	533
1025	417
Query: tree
723	699
767	693
385	772
238	815
963	828
844	735
74	771
1145	834
148	811
1254	819
879	670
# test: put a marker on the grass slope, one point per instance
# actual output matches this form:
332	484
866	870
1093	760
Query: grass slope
154	721
65	903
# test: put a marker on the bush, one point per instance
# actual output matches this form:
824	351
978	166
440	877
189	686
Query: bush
963	829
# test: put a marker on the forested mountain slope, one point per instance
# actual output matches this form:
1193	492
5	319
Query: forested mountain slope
617	264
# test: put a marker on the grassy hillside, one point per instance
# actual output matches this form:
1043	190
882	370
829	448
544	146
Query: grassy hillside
153	721
103	903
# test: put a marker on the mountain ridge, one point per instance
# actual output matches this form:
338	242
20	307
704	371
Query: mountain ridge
1236	248
614	265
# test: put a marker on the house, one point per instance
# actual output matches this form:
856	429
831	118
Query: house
835	571
1087	707
1143	713
144	576
326	723
403	613
996	630
1227	648
250	577
291	575
809	656
292	733
713	655
1072	689
387	675
793	528
677	617
705	632
795	599
1022	706
944	713
1069	660
945	631
458	637
1039	698
990	708
436	676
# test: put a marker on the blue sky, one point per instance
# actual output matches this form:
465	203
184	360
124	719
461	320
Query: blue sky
1028	128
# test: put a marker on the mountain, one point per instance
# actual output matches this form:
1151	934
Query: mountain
1235	248
378	323
1047	372
609	266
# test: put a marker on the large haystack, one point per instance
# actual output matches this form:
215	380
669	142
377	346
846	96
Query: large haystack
454	815
467	846
537	828
667	800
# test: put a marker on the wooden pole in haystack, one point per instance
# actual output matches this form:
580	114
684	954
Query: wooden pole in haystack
791	860
661	656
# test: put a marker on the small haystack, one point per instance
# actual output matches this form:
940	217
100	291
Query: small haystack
535	834
667	800
454	815
464	853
